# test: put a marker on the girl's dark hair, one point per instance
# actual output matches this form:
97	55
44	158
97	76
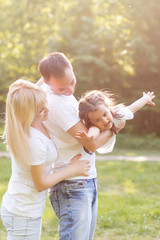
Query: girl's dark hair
90	102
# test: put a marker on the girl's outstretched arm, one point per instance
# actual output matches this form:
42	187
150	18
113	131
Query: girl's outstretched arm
141	102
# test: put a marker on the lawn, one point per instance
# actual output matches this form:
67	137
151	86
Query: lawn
129	206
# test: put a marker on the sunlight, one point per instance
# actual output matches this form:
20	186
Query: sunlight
119	19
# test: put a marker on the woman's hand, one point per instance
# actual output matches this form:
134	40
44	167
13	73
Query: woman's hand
79	167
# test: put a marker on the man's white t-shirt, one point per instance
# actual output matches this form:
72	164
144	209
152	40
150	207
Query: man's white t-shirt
63	115
22	197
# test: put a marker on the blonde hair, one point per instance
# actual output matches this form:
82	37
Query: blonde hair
90	102
24	101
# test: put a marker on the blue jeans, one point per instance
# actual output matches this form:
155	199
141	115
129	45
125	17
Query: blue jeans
75	204
19	228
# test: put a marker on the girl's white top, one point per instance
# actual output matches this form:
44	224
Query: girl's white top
126	114
22	197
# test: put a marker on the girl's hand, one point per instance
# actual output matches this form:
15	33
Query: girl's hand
79	167
149	97
83	135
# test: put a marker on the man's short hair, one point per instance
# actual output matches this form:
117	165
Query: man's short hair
55	64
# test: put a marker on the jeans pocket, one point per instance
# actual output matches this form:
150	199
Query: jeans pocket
53	197
73	187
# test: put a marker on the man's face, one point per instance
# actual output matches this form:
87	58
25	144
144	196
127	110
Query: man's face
65	85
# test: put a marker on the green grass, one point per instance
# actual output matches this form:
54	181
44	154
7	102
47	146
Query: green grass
129	206
128	200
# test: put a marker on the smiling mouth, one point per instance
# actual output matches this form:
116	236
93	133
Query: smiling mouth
106	125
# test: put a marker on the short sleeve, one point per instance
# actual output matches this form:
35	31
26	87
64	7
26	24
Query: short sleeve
93	131
126	113
38	151
64	111
107	147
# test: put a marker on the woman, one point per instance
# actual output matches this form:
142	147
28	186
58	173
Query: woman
32	154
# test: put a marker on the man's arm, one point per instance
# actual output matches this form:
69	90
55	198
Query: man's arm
93	144
141	102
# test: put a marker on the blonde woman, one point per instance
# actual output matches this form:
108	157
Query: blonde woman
32	154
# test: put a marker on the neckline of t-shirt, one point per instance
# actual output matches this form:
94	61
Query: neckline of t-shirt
39	132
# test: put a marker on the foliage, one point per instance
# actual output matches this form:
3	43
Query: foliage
132	142
128	201
112	44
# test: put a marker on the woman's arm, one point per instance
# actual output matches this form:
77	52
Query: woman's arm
43	182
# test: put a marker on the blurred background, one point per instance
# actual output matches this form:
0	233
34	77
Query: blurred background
113	44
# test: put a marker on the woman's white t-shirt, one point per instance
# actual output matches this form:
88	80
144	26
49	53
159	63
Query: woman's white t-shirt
22	197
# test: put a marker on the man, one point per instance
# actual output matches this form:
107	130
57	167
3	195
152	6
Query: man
74	200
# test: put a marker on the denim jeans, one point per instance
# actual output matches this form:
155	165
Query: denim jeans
20	228
75	204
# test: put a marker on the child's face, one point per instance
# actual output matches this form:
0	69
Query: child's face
101	118
63	86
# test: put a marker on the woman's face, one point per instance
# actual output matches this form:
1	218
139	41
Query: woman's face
101	118
42	115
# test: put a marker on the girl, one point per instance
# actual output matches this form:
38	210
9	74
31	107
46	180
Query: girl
98	111
32	154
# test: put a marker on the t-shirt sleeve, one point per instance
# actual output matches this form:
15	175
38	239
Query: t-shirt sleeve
108	146
38	151
126	113
93	131
64	112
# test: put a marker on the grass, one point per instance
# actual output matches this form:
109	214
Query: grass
128	200
129	206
